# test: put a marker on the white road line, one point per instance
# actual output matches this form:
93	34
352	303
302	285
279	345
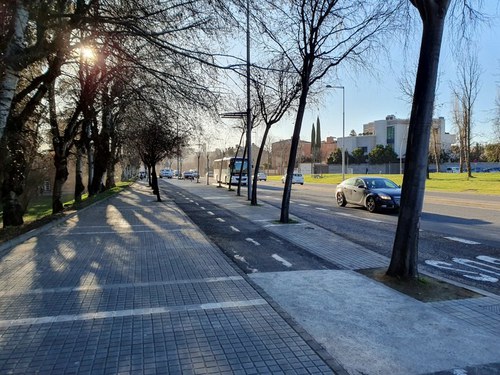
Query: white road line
281	260
131	312
321	209
343	214
372	220
252	241
282	225
303	205
221	220
468	242
234	229
276	239
210	213
203	208
109	232
118	286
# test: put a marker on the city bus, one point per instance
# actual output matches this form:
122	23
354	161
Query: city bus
229	168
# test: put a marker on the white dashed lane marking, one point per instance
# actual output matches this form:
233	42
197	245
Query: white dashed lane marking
221	220
462	240
252	241
282	260
234	229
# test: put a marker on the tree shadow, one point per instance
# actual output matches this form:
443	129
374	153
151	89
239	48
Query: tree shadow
438	218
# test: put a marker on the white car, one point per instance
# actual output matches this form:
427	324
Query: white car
261	176
297	178
168	173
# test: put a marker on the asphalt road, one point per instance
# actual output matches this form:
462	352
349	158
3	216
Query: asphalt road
459	237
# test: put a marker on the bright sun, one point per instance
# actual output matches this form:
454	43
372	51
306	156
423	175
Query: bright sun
87	53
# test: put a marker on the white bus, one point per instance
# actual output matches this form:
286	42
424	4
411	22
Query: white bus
229	168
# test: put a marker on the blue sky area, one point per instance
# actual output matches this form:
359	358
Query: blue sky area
369	98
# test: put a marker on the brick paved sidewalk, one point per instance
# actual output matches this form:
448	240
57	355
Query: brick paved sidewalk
131	286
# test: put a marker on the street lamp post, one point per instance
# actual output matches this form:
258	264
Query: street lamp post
248	112
343	126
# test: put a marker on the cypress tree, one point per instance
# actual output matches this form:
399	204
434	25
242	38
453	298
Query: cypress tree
317	144
313	143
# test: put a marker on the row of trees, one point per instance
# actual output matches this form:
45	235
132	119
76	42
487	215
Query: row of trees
97	79
379	155
385	154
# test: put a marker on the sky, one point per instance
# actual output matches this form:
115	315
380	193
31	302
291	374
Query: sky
368	98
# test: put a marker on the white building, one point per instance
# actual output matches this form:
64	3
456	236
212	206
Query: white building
394	132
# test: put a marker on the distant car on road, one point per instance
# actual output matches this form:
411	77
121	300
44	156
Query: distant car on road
168	173
261	176
374	193
188	175
297	178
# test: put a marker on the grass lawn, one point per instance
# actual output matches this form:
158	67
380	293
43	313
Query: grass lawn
39	211
479	183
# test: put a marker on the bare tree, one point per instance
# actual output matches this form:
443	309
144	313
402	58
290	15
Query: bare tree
496	120
276	90
465	91
316	36
405	249
177	56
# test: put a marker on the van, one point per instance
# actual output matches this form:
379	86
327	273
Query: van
297	178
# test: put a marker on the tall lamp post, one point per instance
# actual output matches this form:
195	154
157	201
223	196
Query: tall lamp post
248	112
343	126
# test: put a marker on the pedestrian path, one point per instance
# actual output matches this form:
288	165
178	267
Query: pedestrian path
132	286
367	327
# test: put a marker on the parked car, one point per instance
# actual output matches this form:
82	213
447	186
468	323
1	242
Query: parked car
297	178
261	176
492	170
453	170
168	173
374	193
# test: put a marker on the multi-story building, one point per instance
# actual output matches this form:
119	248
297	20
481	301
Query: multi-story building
394	132
281	152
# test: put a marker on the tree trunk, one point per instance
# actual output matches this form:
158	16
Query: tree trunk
405	249
240	172
101	156
285	203
12	186
10	76
156	189
61	165
79	187
257	165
